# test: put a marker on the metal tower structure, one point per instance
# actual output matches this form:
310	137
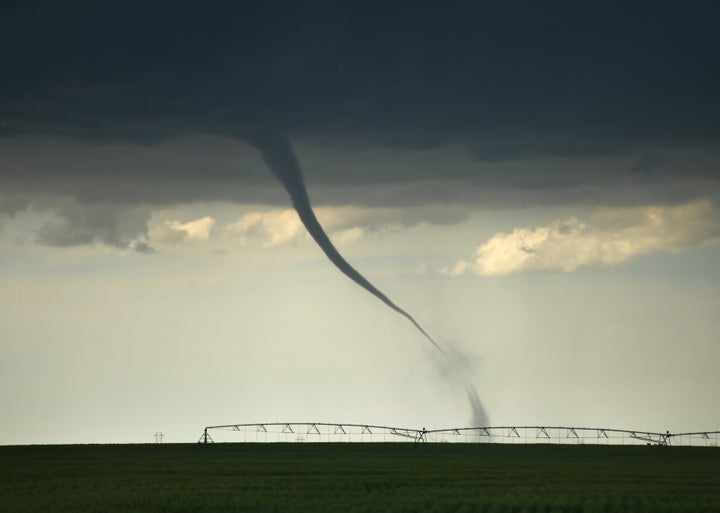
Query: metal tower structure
344	432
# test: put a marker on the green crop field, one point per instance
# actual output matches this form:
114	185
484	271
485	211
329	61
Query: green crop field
390	477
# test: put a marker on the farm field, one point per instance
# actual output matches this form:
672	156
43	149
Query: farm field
360	477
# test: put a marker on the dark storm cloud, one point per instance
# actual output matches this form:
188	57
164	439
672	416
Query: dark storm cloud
503	81
588	77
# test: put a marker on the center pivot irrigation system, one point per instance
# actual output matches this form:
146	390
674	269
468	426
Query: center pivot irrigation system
327	432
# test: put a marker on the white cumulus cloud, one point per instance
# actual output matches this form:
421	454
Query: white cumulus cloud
345	224
175	231
270	228
610	237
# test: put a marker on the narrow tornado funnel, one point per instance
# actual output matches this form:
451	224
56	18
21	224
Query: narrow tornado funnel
280	158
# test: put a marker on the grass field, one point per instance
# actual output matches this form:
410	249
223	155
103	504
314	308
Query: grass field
392	477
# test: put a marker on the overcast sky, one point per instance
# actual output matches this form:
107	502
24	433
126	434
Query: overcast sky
536	183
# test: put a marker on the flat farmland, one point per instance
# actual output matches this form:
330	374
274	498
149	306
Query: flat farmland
359	477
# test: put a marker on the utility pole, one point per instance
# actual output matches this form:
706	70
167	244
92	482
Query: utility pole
159	437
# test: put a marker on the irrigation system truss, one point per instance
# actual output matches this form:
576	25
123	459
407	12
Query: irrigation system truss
327	432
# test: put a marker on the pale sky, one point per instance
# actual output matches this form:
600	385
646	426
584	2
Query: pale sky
547	210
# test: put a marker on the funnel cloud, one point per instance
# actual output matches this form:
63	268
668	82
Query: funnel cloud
279	156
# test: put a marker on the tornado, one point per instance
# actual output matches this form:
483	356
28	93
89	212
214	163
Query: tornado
279	156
